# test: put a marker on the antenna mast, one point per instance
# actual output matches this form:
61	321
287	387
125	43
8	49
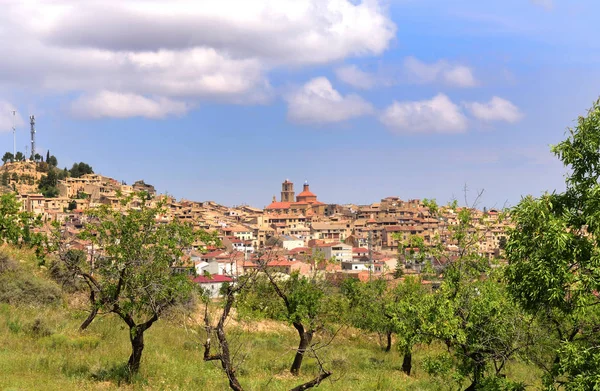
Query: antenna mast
14	129
32	122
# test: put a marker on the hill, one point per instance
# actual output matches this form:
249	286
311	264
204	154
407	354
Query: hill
23	176
42	347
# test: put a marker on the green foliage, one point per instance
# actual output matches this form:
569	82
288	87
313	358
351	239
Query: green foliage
51	160
368	302
16	226
47	185
80	169
21	286
408	313
19	157
135	270
8	157
260	300
5	178
554	257
432	205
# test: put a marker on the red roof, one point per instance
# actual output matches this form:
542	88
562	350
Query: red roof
299	250
213	254
306	193
212	279
278	205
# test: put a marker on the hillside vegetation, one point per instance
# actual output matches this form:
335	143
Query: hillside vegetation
41	347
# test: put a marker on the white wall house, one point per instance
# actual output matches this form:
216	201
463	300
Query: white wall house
340	251
212	285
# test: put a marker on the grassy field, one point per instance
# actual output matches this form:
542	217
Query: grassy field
41	348
51	354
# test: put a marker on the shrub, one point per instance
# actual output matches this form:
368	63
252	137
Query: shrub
39	328
61	275
16	288
7	264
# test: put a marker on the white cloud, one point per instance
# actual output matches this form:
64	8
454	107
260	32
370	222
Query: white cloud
547	4
437	115
318	102
6	117
108	104
440	71
497	109
181	49
355	77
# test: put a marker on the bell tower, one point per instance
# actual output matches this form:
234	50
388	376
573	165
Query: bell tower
287	191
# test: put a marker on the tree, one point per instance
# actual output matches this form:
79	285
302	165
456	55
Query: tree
554	257
37	157
130	272
16	226
19	157
479	324
471	312
80	169
8	157
231	291
368	307
408	317
48	156
5	178
304	300
48	184
51	160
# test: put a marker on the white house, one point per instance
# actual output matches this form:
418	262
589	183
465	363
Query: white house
340	251
290	242
212	284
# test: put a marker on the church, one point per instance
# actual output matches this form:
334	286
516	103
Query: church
305	203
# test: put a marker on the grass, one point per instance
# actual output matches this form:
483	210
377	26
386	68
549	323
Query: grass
41	348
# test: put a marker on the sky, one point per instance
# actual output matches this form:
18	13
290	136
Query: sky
366	99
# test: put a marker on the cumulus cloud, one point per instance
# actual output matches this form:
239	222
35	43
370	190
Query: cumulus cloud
441	71
108	104
355	77
6	116
437	115
318	102
497	109
181	49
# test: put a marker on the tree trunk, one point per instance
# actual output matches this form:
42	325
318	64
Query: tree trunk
477	373
136	336
226	360
305	340
407	362
389	341
89	319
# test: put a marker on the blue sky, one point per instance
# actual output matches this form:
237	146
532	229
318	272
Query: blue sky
362	99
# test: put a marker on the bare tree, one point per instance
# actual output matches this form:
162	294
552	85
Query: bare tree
223	354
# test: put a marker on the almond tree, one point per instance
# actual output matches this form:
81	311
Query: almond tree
129	273
16	226
554	257
223	355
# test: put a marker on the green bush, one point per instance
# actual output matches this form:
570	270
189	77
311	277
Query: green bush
19	288
39	328
7	264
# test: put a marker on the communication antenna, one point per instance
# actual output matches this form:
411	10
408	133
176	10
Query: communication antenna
32	122
26	149
14	129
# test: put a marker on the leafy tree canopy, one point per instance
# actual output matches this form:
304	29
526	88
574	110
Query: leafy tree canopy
554	257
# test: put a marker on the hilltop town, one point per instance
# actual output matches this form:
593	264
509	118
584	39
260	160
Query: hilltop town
364	240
